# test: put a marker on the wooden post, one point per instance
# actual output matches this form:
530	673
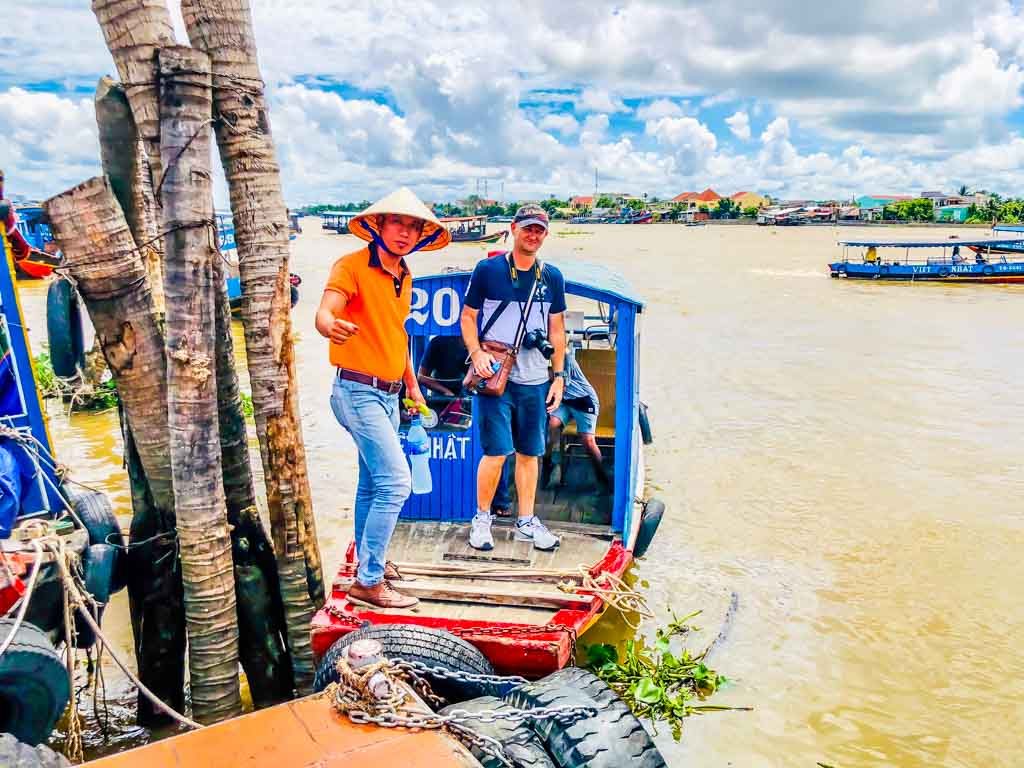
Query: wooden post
203	537
223	28
101	256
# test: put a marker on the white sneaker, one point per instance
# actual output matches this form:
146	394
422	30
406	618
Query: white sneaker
480	532
536	532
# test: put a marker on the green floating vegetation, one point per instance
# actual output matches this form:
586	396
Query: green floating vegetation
247	409
79	396
657	683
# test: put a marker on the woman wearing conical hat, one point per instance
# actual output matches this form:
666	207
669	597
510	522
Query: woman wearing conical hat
362	314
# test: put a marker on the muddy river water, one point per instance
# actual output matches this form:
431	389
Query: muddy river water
848	459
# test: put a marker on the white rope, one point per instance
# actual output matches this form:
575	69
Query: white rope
24	598
79	602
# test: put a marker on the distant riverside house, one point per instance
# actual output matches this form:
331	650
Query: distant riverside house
580	202
871	206
956	214
942	200
749	200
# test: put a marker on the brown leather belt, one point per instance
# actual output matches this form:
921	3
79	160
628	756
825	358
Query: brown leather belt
391	387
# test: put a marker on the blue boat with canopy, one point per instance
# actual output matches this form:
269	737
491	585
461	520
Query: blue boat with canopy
998	259
531	605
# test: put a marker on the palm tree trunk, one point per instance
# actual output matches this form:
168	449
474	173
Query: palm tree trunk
101	256
223	28
203	537
124	162
134	31
260	613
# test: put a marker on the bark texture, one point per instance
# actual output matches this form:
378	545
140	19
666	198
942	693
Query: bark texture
101	256
203	537
124	163
260	613
134	31
223	28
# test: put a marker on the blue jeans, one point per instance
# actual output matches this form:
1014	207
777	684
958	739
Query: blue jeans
371	417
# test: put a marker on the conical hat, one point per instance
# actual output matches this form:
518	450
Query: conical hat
404	203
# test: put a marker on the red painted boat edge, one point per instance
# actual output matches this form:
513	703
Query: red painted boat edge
532	655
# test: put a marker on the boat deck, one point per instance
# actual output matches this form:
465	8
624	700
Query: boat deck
512	583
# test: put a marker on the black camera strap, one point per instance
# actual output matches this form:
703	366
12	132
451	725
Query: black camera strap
525	309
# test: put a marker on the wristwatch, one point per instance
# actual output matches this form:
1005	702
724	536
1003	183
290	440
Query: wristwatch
562	374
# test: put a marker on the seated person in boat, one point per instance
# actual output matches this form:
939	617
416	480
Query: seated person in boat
444	365
363	310
499	298
579	404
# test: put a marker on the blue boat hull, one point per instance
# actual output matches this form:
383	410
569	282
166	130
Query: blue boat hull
997	272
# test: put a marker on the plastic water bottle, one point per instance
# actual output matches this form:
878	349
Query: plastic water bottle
417	445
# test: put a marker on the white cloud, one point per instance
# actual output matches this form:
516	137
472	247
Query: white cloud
49	142
598	100
565	124
689	142
660	108
914	91
739	124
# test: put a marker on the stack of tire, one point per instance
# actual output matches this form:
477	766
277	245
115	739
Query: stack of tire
612	738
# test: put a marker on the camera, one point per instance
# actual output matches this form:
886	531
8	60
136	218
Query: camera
536	339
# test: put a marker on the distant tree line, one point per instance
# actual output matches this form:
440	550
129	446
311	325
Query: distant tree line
996	210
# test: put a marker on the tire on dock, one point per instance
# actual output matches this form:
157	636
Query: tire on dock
613	738
433	647
14	753
519	740
33	685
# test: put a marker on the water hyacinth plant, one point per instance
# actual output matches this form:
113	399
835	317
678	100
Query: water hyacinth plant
657	683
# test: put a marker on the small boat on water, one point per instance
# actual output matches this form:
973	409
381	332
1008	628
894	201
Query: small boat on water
522	608
999	259
336	221
29	243
472	229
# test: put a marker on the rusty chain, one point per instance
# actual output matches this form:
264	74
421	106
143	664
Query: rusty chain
500	631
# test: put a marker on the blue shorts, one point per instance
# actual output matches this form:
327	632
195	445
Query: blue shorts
586	423
515	422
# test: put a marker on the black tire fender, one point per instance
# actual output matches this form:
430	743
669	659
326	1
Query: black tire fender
33	684
645	425
97	515
434	647
520	742
17	755
98	566
612	738
987	270
64	328
944	272
294	293
650	519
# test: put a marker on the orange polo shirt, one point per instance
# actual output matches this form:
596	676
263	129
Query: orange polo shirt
378	302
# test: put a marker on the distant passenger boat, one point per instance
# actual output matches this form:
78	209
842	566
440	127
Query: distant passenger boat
471	229
991	260
337	221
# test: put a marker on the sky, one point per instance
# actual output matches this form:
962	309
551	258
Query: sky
783	97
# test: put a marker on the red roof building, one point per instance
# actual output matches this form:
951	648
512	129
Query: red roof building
581	201
709	196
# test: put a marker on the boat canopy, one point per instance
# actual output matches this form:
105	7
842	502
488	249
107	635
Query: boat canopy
987	243
447	219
